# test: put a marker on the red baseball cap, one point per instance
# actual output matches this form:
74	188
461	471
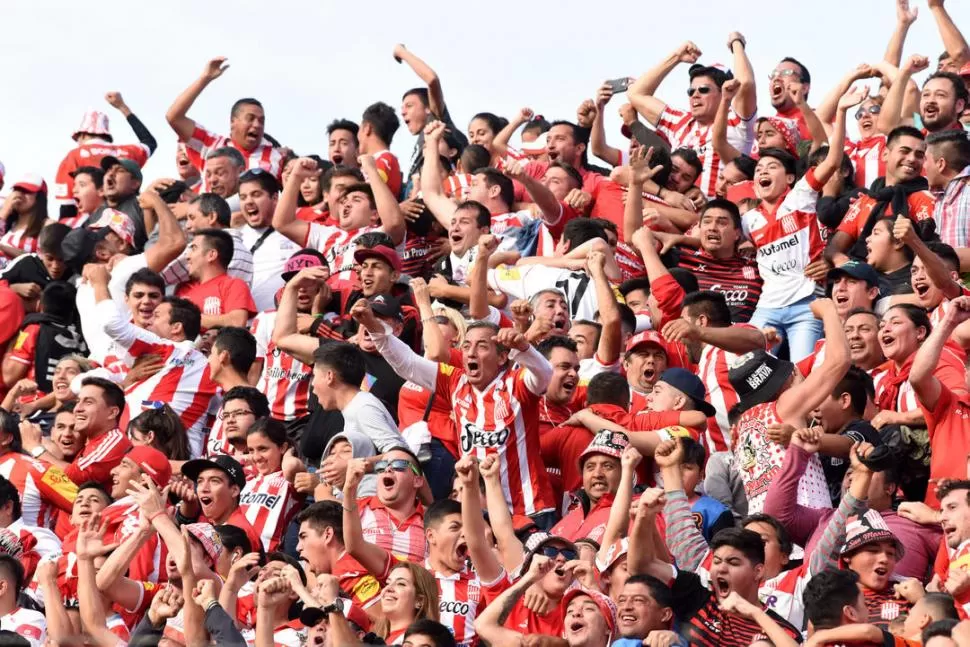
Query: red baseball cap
152	462
647	337
382	252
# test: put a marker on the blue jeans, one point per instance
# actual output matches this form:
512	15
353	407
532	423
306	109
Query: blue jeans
794	322
439	471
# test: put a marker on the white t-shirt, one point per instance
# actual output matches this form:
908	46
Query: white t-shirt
524	281
268	261
99	344
32	625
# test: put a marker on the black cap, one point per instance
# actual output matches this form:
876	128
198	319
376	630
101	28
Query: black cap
384	305
855	269
757	377
78	245
227	464
691	386
130	165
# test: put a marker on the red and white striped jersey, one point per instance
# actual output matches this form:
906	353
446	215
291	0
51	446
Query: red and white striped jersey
459	599
683	131
285	380
502	419
337	246
17	239
866	156
90	154
44	489
457	186
548	235
121	519
30	624
269	503
404	540
788	240
713	371
202	142
184	382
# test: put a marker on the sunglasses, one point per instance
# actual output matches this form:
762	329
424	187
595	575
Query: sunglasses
780	74
702	89
552	552
397	465
874	109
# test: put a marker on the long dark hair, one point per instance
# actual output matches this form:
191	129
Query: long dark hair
38	216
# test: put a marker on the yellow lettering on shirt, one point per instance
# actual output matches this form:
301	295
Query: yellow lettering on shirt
21	339
58	481
506	273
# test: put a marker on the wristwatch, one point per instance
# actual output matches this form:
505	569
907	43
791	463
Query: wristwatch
37	451
337	606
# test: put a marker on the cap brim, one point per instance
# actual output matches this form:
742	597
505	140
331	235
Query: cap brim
193	468
312	616
769	390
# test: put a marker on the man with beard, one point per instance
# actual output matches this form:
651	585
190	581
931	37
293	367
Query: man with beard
394	519
692	129
943	100
788	71
903	193
258	194
247	123
122	183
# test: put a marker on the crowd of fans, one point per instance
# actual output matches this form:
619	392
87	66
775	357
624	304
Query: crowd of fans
713	392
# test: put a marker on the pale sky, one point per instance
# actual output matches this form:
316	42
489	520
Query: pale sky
312	61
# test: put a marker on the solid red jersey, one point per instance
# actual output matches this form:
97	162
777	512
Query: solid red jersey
921	205
363	588
949	428
412	403
121	520
503	420
91	154
44	489
284	380
218	296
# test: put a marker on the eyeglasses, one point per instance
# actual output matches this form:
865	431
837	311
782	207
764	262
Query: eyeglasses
874	109
702	89
398	465
781	74
225	415
552	552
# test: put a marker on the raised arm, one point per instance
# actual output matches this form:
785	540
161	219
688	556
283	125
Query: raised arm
746	101
111	576
432	175
640	174
927	387
549	208
538	370
797	92
611	333
719	139
618	521
853	503
284	217
905	17
371	557
473	524
826	108
795	404
478	306
833	161
90	606
436	98
489	623
641	92
388	208
435	348
402	359
177	114
141	132
684	538
643	555
500	143
892	105
953	40
171	238
597	134
285	333
499	515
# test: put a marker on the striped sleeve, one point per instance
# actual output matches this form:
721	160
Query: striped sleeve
684	539
670	123
827	549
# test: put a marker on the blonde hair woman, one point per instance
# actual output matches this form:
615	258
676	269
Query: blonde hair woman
411	593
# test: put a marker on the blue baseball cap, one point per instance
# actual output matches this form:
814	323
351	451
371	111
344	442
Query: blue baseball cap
691	386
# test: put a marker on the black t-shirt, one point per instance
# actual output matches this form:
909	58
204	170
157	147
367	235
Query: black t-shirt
702	622
379	379
859	431
896	282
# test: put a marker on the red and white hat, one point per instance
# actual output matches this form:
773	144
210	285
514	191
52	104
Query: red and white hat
606	442
208	537
536	147
606	606
647	337
616	551
32	183
92	123
119	223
